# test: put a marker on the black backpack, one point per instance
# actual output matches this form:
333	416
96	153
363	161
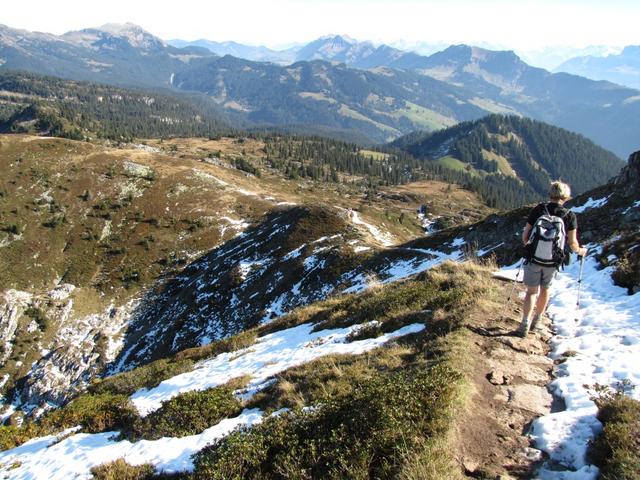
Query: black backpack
547	240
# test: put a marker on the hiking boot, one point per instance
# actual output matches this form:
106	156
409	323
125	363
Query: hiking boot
535	322
523	329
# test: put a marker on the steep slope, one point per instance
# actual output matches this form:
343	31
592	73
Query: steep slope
608	216
368	409
521	156
117	54
623	68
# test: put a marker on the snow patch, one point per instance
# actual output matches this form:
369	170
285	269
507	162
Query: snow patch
269	356
604	336
635	205
384	238
62	292
591	203
428	223
74	456
145	148
138	170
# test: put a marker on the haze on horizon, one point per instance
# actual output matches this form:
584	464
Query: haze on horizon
543	32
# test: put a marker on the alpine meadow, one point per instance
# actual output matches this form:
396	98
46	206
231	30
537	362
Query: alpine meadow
248	247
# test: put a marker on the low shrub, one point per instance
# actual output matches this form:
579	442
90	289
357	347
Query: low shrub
226	345
384	303
328	376
95	413
121	470
12	436
616	451
187	414
368	433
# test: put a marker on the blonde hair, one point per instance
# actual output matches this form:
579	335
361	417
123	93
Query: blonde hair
559	191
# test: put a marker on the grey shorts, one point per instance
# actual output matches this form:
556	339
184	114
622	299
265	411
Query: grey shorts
538	276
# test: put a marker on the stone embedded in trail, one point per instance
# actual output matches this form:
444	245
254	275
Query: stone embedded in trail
531	398
497	377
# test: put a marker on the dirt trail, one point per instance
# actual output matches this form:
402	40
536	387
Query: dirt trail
509	377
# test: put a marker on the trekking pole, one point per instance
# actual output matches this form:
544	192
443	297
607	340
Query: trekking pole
515	280
579	284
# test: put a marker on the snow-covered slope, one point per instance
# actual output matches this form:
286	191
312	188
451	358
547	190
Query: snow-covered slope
71	455
597	343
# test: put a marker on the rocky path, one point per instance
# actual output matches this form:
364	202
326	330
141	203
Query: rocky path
509	378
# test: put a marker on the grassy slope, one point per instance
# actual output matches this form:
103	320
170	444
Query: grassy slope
390	429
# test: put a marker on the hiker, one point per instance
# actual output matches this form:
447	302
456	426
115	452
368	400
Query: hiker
549	228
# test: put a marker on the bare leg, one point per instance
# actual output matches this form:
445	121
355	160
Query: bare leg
530	298
541	306
541	302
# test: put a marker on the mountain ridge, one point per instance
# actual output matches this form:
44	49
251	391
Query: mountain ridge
622	68
481	81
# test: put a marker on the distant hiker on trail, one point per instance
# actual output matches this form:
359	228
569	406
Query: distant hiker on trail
550	227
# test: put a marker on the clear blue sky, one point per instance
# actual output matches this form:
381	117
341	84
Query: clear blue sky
516	24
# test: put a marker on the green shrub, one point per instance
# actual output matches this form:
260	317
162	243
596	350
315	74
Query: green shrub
95	413
12	228
381	304
146	376
38	316
245	165
121	470
12	436
368	433
187	414
617	449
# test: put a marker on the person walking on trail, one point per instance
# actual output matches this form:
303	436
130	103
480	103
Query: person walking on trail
550	227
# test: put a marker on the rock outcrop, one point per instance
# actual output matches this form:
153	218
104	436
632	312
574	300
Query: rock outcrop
629	178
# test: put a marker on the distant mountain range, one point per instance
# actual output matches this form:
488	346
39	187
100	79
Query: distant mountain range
398	93
116	54
374	106
551	57
248	52
623	68
416	92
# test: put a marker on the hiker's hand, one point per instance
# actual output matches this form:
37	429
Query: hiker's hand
582	251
